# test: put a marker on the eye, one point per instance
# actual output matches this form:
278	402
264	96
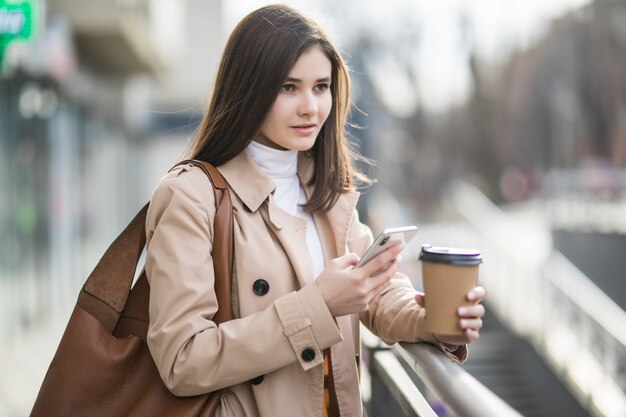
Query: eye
322	87
288	87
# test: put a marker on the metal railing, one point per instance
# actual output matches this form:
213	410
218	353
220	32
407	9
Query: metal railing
399	379
584	338
592	198
541	296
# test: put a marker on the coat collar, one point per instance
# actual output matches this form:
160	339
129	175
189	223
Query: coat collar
247	180
250	183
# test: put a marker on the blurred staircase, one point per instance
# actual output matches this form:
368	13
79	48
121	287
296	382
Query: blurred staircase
511	368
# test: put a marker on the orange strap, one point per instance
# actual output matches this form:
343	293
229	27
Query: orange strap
330	408
326	402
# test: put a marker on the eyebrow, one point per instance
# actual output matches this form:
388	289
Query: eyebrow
297	80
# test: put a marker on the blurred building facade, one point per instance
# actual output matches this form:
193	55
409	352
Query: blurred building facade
557	105
553	105
87	117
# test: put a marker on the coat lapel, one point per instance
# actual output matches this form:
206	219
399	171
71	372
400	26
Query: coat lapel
337	219
291	232
340	218
248	181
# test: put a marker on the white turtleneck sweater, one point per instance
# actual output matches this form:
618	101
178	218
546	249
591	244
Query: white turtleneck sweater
282	167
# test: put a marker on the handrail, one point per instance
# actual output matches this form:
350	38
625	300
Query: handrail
577	287
591	198
404	390
579	212
460	391
593	333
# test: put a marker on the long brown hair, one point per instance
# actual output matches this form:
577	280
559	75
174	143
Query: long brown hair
257	59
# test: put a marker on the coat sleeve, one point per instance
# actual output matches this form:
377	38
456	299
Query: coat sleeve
192	353
394	315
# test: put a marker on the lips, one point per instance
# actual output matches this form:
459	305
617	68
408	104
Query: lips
305	129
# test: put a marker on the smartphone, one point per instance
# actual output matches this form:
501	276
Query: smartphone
386	239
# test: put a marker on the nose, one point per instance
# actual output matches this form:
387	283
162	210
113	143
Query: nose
308	105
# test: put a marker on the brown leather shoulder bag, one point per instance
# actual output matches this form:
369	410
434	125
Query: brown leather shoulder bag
102	367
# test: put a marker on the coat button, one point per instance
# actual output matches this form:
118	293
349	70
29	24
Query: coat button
260	287
308	354
257	380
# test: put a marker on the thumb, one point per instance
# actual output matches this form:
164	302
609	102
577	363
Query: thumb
419	298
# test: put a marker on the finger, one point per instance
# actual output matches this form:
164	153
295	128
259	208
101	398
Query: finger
470	324
380	260
471	335
420	298
473	311
384	277
476	294
345	261
388	265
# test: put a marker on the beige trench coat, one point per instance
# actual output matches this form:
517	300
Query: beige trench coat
270	357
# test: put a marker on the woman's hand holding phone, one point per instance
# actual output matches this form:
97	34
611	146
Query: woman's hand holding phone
386	239
348	289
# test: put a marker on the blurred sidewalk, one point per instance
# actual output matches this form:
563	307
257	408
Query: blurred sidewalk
24	362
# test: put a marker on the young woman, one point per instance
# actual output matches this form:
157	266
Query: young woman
275	130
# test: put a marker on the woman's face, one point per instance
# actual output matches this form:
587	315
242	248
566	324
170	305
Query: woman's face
302	105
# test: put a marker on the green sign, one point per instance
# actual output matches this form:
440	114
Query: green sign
17	22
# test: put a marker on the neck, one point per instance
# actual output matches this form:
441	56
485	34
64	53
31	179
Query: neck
276	163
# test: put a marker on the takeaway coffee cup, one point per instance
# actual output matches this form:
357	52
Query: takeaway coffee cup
448	275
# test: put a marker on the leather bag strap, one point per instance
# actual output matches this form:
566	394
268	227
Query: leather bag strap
223	241
106	290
